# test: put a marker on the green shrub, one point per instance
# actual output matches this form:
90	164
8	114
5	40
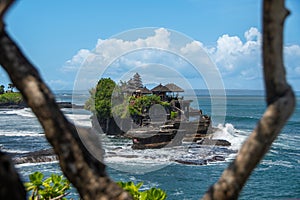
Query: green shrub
56	187
173	114
11	97
151	194
141	105
52	187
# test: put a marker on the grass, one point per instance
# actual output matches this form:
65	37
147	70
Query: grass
11	97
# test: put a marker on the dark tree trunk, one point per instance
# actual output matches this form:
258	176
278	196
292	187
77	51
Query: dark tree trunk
11	187
280	100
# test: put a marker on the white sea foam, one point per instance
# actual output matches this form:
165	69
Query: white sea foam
121	156
14	151
34	164
281	163
80	119
20	134
25	112
232	135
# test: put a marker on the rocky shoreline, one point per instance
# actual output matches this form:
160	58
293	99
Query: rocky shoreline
12	105
45	155
48	155
21	105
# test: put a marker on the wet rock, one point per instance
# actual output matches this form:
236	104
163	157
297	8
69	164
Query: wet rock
13	105
46	155
216	142
216	158
64	104
192	162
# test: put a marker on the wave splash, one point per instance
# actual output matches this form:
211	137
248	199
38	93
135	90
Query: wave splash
119	154
24	112
229	133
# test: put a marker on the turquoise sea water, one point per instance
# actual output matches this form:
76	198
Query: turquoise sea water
276	177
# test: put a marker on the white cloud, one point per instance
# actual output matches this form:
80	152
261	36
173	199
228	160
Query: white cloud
239	59
253	34
236	58
293	50
74	63
292	60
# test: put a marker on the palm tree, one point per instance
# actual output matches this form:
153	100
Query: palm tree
2	89
11	86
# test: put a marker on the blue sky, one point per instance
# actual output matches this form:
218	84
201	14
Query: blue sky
58	36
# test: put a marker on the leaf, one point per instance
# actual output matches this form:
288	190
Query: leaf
36	178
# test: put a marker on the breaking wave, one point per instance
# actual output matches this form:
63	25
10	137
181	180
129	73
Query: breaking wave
119	154
25	112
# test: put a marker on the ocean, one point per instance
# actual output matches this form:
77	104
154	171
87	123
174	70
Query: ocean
276	177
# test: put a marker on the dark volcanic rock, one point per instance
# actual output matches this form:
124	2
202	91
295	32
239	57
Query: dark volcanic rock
13	105
216	158
192	162
200	161
22	104
64	104
46	155
216	142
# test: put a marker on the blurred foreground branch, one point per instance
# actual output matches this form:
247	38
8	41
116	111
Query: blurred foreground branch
83	170
280	100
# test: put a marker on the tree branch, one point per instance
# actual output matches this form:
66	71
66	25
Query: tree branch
11	187
60	196
4	5
83	170
280	100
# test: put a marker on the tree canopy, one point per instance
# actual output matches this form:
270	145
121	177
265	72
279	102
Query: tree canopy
2	89
103	96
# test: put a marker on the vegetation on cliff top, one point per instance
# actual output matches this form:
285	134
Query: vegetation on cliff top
110	99
11	98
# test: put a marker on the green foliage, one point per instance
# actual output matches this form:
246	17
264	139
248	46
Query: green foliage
100	100
52	187
109	100
121	107
2	89
11	86
103	95
153	194
141	105
173	114
131	189
11	97
90	103
134	190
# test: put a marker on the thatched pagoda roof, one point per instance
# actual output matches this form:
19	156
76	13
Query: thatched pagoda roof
160	88
144	90
174	88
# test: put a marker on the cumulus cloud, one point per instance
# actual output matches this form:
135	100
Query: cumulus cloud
252	34
292	60
236	59
74	63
